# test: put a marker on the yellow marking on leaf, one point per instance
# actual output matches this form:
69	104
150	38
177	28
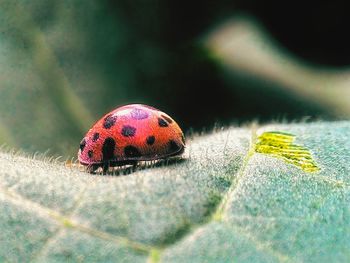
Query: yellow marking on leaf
280	145
154	256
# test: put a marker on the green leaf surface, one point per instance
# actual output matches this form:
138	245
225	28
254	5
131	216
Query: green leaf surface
223	202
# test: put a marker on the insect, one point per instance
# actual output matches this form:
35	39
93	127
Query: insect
129	134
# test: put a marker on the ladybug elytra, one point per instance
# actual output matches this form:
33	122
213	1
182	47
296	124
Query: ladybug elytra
129	134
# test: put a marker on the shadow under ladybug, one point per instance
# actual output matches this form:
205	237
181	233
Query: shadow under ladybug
129	168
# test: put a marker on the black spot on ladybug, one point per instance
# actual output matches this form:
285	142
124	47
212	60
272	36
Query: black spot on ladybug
95	137
169	120
90	153
173	146
131	151
150	140
162	122
128	131
108	149
109	121
82	144
139	114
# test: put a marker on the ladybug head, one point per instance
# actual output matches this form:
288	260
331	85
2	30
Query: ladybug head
87	152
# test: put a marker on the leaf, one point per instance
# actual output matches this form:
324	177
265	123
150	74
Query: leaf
281	145
224	202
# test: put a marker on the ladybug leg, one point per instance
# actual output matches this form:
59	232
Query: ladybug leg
105	167
130	169
92	168
134	166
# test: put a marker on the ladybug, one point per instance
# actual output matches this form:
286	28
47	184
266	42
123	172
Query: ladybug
129	134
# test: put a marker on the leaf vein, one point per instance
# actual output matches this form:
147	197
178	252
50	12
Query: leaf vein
221	206
67	222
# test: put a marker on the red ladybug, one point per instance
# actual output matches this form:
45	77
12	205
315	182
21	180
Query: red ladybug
130	134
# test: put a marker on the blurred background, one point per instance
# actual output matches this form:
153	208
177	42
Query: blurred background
63	64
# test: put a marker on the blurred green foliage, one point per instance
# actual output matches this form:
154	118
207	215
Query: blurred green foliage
65	63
